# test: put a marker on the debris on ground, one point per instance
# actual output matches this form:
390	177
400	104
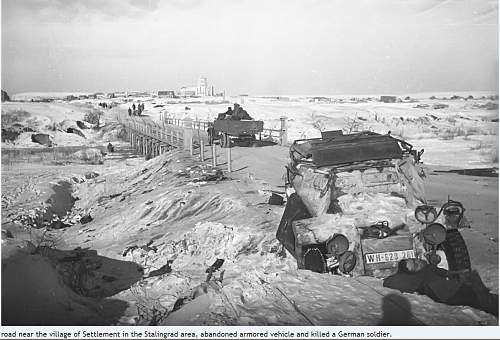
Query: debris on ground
7	234
165	269
215	266
275	199
86	219
91	175
200	174
147	248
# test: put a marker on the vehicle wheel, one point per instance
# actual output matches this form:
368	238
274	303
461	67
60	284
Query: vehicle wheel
210	137
223	141
314	260
455	252
294	210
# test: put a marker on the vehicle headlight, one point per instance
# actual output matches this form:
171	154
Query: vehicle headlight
453	212
337	245
426	214
434	234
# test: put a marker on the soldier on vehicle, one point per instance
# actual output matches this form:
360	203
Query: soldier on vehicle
129	111
240	113
226	114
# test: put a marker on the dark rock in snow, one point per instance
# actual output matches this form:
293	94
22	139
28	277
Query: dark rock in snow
165	269
81	124
215	266
5	96
41	138
9	135
86	219
7	234
76	132
91	174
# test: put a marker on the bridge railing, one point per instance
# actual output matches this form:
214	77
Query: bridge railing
168	129
277	135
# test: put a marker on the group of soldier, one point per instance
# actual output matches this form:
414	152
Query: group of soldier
136	111
238	113
105	105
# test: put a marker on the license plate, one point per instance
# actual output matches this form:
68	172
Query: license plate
389	256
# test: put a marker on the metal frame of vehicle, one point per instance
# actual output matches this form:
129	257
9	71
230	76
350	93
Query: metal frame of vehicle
325	234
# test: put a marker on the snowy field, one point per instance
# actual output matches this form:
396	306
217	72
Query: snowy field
155	214
462	135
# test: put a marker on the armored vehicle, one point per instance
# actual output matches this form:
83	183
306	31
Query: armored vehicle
229	130
234	126
356	206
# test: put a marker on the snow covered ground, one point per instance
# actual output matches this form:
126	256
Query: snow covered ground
462	135
172	221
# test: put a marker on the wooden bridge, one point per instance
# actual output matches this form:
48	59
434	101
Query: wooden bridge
155	138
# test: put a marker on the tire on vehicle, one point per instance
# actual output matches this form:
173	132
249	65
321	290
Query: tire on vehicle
455	249
314	260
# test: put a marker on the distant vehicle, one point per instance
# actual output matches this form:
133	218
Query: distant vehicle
355	207
228	131
234	126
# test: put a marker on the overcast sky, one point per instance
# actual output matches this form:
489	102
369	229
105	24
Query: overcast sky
256	47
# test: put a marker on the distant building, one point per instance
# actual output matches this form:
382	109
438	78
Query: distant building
320	100
187	91
70	97
202	89
119	94
388	99
137	94
166	94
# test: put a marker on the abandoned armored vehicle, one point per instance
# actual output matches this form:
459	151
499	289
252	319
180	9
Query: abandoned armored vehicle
357	207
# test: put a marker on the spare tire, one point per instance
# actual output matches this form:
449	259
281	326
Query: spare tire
314	260
456	251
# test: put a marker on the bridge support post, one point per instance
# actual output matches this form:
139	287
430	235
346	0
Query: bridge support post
214	155
283	132
202	150
178	141
187	136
